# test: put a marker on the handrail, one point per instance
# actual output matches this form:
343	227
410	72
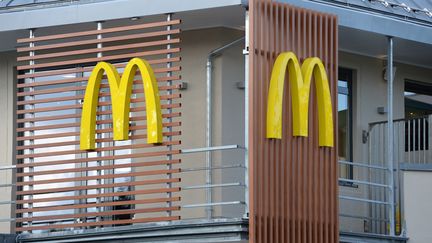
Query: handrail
399	120
208	149
362	165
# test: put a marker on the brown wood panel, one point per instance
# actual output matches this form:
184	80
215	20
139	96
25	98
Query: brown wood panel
69	116
97	32
100	104
96	50
112	194
51	170
143	54
99	122
88	69
109	176
70	134
105	213
293	181
112	157
67	89
107	148
104	204
100	223
74	80
108	185
96	41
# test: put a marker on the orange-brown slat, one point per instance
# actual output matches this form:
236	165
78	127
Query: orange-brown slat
91	205
108	185
79	88
103	40
98	59
111	157
69	116
77	124
99	140
106	148
100	223
71	134
104	213
112	194
96	50
97	32
100	104
74	80
87	69
109	176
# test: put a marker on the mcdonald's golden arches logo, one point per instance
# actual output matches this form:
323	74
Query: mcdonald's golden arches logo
121	89
300	83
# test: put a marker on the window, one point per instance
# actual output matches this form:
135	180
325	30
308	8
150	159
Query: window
345	121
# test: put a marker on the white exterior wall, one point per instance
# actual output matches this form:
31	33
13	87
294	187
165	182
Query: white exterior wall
417	198
7	129
227	117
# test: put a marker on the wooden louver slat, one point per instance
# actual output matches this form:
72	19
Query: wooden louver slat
133	175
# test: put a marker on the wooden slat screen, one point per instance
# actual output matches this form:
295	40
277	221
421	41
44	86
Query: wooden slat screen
61	187
293	181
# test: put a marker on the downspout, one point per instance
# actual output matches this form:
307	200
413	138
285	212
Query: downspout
390	135
210	58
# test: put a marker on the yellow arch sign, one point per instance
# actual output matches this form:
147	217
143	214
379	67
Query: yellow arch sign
300	82
121	89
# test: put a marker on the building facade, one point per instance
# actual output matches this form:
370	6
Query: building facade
241	121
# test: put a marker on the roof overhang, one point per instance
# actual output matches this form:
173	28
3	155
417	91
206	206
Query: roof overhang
90	11
366	20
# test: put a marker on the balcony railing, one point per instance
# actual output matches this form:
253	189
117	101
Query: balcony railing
367	207
366	210
215	191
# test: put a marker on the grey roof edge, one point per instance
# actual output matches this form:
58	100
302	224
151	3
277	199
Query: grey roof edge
370	21
101	10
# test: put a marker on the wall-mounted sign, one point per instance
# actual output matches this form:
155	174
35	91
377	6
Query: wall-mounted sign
121	89
300	82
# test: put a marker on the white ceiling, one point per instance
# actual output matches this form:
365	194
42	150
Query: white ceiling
374	45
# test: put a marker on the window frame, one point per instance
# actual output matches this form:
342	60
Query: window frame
348	77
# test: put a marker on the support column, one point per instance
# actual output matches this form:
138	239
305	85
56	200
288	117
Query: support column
390	162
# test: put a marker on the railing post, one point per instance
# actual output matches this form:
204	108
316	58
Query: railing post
390	162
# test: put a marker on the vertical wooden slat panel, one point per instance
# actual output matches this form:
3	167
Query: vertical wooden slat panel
293	180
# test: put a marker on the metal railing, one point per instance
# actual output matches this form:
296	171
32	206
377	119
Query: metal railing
12	186
364	204
196	170
209	185
412	145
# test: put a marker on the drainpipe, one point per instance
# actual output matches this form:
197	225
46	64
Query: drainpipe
209	104
390	135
